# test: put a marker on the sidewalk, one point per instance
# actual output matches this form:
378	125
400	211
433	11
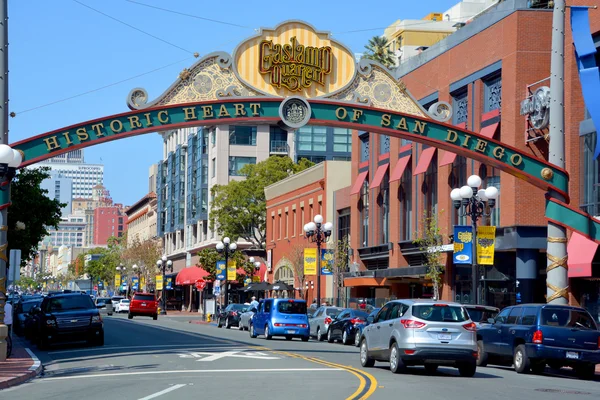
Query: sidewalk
22	365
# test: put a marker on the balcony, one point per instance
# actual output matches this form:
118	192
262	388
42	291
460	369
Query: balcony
279	147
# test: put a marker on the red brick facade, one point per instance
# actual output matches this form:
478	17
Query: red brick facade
108	221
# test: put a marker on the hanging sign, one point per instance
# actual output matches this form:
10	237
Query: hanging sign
486	240
117	280
310	261
220	270
169	283
463	244
231	271
159	282
327	259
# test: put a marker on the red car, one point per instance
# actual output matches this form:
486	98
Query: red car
143	304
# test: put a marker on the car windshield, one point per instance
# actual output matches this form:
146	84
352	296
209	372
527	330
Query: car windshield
481	315
291	307
360	314
125	301
440	313
69	303
116	298
29	305
238	307
332	312
565	317
144	297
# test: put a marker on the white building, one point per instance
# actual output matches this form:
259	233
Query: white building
70	232
60	188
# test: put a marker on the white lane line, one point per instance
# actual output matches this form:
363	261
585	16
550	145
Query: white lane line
150	346
36	361
167	390
194	371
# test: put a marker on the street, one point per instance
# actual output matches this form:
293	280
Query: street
171	358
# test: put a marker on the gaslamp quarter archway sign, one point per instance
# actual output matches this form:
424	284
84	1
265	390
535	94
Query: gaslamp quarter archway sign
297	75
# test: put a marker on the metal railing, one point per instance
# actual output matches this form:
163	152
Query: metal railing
279	146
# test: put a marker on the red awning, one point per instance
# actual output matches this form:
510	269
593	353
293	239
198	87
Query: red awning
581	251
449	157
359	182
189	276
400	168
379	174
490	130
424	160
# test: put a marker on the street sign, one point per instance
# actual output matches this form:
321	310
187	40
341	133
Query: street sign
217	290
200	284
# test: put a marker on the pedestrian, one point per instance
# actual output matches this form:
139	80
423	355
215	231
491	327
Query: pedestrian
8	316
254	303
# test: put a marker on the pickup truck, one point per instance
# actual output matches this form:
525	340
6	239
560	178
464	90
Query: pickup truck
532	336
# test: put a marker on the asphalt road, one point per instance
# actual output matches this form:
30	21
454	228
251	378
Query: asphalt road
173	359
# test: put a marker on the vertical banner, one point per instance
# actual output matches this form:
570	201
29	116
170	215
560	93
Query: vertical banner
134	283
327	259
159	282
463	244
117	280
231	271
310	261
486	241
169	283
220	270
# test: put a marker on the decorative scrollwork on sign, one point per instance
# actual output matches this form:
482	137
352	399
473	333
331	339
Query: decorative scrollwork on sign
233	91
223	60
440	111
361	99
137	98
365	67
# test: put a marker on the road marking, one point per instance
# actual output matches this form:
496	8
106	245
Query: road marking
194	371
150	346
36	361
212	356
167	390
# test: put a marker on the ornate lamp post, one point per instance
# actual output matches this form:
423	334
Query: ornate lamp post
319	233
137	270
255	263
164	264
227	248
474	202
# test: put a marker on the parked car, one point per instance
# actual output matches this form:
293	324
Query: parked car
345	325
21	314
319	323
280	317
122	306
245	318
481	314
360	327
104	304
230	315
533	335
115	300
421	332
67	317
143	304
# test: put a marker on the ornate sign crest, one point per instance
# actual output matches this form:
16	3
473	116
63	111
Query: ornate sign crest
295	112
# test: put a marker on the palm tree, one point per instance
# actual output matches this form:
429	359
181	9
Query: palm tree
378	50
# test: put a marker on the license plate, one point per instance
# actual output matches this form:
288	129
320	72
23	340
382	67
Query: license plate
444	336
572	355
290	331
143	304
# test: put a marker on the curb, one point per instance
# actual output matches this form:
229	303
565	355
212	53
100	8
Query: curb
33	371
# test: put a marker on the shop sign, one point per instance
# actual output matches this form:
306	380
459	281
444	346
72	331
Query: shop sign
486	239
463	244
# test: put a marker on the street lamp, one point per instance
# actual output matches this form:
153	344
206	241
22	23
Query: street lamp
227	248
472	201
255	263
120	268
164	264
137	270
319	233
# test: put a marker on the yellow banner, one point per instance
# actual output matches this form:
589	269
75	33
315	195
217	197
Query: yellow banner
117	280
231	271
143	282
159	282
256	278
310	261
486	240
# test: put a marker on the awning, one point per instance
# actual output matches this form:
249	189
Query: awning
581	251
449	157
379	174
490	130
400	168
364	281
424	160
360	179
189	276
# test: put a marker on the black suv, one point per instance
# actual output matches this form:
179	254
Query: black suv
68	317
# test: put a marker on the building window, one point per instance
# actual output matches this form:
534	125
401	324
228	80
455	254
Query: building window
237	163
429	188
213	137
279	226
214	167
312	138
493	94
314	159
383	201
460	105
242	135
363	207
342	140
364	147
344	225
384	144
302	220
590	176
294	223
405	202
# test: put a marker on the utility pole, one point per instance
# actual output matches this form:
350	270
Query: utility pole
557	282
4	194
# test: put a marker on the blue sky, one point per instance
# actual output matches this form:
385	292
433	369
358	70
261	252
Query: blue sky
60	49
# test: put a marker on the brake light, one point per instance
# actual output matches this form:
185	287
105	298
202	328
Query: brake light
412	324
327	320
538	337
440	305
355	321
470	326
290	301
234	313
409	352
277	324
598	342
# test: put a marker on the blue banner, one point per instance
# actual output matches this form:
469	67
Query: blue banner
589	76
134	283
463	244
327	260
169	283
220	270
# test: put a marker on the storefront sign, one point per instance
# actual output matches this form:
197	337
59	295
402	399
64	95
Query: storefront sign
220	270
327	261
231	271
159	282
117	280
310	261
537	107
486	239
463	244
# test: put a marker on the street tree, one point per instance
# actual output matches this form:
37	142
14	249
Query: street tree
431	244
378	49
238	209
295	259
144	254
31	212
339	266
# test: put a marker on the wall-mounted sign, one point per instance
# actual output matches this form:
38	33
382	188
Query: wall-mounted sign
537	107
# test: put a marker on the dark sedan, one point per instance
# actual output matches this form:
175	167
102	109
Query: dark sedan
345	325
230	316
22	314
361	327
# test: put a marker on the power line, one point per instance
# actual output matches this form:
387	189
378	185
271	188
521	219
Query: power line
189	15
132	27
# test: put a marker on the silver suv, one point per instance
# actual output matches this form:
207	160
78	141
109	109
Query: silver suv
421	332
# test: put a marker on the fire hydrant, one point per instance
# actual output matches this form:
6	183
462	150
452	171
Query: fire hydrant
208	317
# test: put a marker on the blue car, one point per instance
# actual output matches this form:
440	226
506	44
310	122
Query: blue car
280	317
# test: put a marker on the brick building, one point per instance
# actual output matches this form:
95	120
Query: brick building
109	221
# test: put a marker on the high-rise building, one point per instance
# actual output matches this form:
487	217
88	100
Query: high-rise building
100	198
70	232
109	221
60	188
75	157
152	175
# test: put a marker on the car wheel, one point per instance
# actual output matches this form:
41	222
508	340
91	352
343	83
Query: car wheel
431	368
396	363
365	360
329	336
357	338
482	355
227	323
251	330
305	338
521	360
585	371
130	316
467	370
219	322
268	335
345	337
319	335
155	317
288	338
